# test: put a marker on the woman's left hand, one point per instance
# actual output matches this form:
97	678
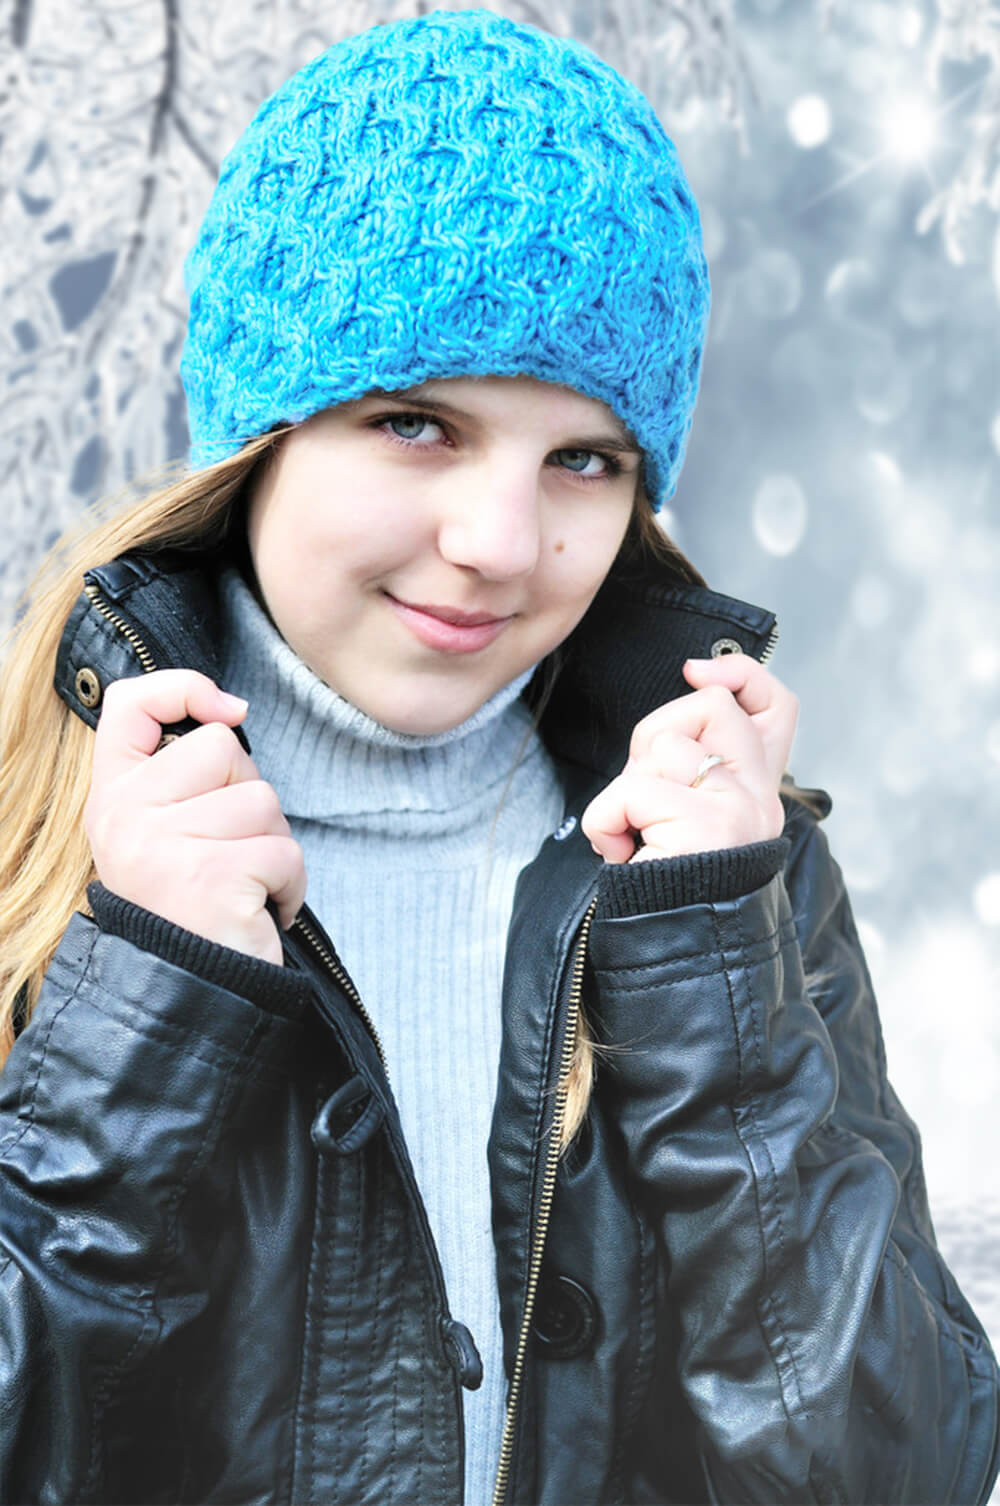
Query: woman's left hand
738	710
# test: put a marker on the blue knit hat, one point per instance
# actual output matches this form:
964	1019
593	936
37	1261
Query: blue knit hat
452	195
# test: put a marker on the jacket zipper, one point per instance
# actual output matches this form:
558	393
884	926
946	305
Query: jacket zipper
148	663
145	657
333	967
544	1210
770	645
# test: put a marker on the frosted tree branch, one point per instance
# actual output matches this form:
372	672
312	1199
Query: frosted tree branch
963	32
968	31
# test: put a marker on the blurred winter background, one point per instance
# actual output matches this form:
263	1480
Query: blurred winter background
844	464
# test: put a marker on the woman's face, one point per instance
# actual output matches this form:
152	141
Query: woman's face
512	505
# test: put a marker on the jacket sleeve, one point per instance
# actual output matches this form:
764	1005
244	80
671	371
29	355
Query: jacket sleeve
114	1107
825	1350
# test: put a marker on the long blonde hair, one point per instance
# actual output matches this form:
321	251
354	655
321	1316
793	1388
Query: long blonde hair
46	749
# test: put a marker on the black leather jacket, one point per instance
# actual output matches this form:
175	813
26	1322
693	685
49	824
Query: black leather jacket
217	1281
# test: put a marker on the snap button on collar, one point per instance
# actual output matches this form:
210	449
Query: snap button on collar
87	687
726	646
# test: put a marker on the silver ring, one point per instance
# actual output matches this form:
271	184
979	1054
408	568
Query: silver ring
708	762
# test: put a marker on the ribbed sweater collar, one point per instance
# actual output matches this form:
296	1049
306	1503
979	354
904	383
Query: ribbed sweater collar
328	759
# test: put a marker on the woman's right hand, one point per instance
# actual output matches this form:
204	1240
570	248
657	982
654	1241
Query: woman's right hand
193	833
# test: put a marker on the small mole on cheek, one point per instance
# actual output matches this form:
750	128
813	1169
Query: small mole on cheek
560	547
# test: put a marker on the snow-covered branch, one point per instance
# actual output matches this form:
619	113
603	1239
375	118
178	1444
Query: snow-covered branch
968	32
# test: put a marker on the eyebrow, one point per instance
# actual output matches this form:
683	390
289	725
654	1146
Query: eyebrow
621	442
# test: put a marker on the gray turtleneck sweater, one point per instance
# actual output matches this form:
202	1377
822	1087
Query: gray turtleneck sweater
415	886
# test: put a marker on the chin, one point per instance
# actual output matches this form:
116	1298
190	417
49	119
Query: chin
423	720
425	724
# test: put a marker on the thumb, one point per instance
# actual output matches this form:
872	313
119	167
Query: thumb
135	710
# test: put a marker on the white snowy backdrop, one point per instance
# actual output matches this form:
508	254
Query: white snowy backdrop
844	464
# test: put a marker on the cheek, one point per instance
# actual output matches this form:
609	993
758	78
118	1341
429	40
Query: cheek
581	559
318	533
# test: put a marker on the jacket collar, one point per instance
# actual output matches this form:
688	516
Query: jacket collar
160	611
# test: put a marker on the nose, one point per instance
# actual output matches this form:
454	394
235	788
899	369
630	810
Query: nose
491	521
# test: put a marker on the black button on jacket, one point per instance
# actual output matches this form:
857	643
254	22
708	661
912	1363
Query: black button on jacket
217	1281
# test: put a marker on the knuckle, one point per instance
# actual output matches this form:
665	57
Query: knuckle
295	856
644	730
664	740
213	744
218	735
269	803
258	801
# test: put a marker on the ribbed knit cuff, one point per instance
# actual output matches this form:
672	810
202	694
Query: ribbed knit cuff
692	878
279	990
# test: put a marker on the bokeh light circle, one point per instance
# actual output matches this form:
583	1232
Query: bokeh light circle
780	514
809	121
986	899
871	601
773	284
993	741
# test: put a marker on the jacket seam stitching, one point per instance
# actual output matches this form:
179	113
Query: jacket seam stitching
768	1307
171	1243
210	1053
424	1286
754	951
366	1431
641	1382
886	1404
939	1308
302	1456
43	1048
395	1345
325	1295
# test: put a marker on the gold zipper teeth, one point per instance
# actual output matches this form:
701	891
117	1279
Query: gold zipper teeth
770	645
332	966
544	1210
145	657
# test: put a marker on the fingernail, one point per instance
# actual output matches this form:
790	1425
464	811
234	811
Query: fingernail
237	700
697	661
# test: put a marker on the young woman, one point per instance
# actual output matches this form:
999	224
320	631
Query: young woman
546	1154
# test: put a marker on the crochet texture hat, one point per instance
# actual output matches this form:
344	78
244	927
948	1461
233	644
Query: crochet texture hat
457	194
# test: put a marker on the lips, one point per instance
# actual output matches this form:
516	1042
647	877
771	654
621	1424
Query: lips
451	614
474	630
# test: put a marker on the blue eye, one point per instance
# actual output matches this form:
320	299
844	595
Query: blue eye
408	418
611	466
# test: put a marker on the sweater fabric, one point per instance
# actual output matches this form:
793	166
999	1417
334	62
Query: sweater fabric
395	829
